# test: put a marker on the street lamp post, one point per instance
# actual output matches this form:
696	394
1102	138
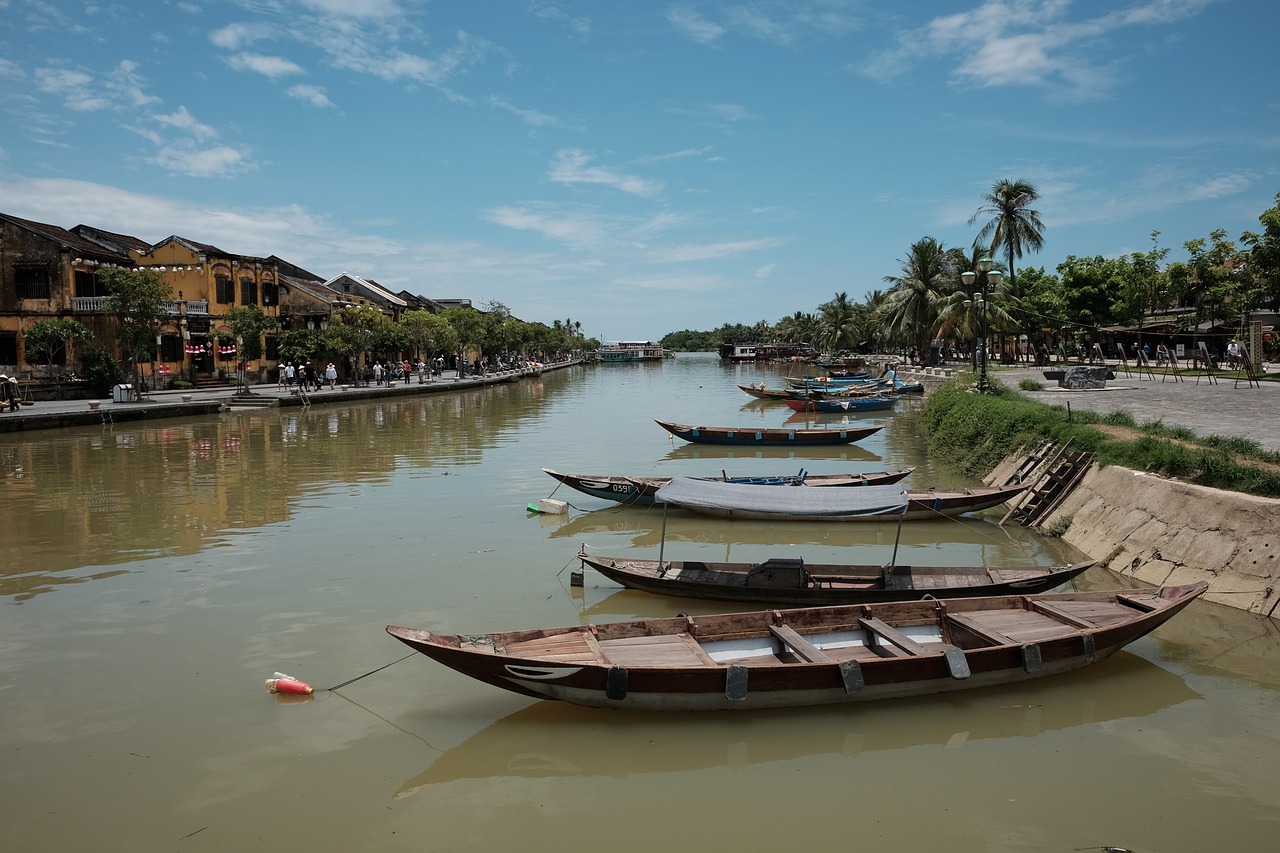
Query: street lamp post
991	278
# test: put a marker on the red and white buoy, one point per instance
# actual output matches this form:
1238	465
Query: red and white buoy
281	683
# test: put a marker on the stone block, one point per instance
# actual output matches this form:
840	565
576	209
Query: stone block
1084	377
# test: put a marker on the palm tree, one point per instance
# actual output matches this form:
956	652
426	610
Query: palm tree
837	327
800	327
1013	226
910	312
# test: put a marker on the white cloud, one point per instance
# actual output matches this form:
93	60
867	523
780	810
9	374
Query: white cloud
185	121
1027	43
236	36
572	166
216	162
355	8
73	87
573	228
692	25
267	66
311	95
711	251
529	117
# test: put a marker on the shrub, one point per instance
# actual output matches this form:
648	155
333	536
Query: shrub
101	370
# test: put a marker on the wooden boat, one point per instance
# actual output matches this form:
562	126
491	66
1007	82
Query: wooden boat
791	581
811	656
870	503
640	490
764	437
842	406
762	393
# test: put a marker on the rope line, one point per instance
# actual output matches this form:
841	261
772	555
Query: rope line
371	672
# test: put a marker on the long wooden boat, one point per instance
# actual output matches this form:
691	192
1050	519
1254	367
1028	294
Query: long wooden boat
842	406
766	437
810	656
641	490
871	503
762	393
791	581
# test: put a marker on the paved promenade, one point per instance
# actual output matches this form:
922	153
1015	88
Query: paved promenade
1222	407
53	414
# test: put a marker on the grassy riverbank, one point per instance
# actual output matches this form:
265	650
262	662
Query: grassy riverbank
975	431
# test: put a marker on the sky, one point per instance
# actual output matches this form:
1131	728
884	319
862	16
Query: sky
637	167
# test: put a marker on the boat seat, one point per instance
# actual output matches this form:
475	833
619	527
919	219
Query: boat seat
799	646
881	630
982	632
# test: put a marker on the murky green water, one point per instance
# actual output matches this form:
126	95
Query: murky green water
154	575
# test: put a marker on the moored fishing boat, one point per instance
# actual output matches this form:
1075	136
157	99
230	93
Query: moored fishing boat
842	406
871	503
793	582
764	437
641	490
811	656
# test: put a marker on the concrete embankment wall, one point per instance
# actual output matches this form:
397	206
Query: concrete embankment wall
1164	532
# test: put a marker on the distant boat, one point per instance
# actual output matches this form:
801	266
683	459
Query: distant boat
640	490
794	582
628	351
813	656
870	503
764	437
843	405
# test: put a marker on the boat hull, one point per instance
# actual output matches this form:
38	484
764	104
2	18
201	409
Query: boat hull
768	437
640	491
813	656
817	585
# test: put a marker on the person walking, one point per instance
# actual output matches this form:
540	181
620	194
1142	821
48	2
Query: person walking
331	375
6	396
377	373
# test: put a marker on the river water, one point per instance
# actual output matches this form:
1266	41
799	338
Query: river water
153	575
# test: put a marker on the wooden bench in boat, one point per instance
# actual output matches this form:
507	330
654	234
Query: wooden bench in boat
979	630
881	630
799	646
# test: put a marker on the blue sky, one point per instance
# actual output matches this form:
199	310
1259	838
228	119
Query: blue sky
640	167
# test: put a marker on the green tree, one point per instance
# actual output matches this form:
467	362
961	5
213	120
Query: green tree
800	327
248	322
48	336
1263	266
298	345
1143	284
140	300
1207	279
911	311
1012	227
430	333
469	326
837	324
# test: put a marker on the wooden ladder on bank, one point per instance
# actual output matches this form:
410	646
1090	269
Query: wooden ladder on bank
1058	477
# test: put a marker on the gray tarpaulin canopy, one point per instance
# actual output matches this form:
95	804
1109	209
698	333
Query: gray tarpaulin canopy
749	501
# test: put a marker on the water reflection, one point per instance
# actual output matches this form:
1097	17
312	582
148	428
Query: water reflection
552	739
87	498
948	537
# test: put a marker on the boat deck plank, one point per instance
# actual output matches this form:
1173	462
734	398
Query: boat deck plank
665	650
569	647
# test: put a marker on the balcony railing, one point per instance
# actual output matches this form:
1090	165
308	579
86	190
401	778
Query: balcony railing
88	304
95	305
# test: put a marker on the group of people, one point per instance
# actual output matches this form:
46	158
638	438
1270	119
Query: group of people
307	378
10	396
